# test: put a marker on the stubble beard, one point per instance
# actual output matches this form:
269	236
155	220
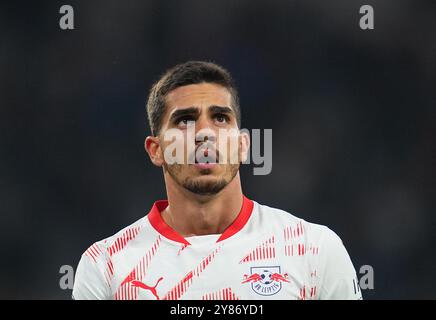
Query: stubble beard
202	186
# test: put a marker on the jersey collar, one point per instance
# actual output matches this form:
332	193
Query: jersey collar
155	218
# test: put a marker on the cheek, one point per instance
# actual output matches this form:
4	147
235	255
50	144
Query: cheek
229	147
174	151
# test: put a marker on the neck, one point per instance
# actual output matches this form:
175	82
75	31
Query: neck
191	214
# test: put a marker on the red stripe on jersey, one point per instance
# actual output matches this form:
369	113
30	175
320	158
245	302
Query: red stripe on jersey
265	250
109	272
184	246
240	221
313	292
291	233
303	293
180	289
123	240
155	219
93	252
126	290
223	294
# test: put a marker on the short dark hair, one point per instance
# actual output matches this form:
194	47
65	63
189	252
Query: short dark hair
191	72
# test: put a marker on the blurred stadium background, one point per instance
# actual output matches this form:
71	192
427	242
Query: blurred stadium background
352	113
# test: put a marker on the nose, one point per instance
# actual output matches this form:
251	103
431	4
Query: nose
205	135
204	132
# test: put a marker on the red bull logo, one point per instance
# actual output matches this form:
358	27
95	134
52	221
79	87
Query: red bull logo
265	281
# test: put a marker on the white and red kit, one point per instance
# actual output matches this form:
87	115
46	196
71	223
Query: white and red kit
265	253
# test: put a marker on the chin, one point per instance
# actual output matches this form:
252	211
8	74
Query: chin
207	177
205	184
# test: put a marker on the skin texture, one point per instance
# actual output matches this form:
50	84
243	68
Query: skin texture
203	199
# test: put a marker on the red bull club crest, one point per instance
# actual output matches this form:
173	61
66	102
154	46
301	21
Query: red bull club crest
265	281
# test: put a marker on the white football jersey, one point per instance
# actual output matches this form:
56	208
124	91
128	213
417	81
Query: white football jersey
265	253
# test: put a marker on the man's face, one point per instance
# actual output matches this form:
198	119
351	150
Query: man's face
201	113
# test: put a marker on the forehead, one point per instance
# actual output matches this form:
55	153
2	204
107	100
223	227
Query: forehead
198	95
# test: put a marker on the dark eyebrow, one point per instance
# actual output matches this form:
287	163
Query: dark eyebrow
221	109
191	111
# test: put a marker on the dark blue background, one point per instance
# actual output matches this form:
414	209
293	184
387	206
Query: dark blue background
352	113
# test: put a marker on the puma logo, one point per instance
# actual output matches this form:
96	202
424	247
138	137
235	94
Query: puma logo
142	285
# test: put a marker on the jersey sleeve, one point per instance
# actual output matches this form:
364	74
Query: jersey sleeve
338	280
90	282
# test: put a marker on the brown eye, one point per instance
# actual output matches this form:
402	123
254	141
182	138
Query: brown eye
184	122
221	118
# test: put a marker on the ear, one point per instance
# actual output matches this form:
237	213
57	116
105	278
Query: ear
154	150
244	145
